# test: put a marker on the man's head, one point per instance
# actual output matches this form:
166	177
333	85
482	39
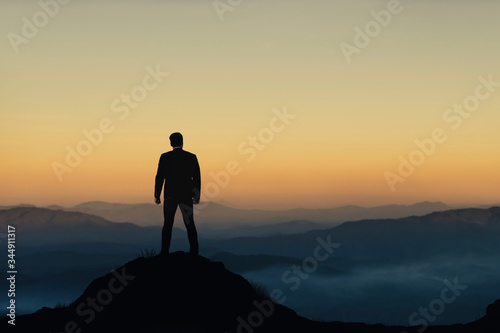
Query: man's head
176	139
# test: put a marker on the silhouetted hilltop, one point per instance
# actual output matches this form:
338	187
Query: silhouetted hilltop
184	293
175	293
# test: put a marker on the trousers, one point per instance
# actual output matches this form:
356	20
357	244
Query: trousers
169	208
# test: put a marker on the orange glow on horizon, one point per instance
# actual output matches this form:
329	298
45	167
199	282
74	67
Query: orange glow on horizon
87	109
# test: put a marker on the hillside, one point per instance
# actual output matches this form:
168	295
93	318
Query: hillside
177	293
183	293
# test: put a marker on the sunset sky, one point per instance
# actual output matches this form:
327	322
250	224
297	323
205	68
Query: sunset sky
234	71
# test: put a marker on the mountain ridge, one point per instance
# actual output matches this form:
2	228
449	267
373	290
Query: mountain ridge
31	219
54	216
365	245
465	236
215	214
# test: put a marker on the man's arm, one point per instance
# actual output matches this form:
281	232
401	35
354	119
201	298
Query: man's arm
196	181
159	179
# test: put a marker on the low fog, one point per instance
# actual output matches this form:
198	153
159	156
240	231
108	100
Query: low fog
391	294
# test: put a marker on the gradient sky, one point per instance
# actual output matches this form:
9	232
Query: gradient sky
352	121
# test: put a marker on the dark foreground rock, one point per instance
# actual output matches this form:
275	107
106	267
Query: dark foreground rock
184	293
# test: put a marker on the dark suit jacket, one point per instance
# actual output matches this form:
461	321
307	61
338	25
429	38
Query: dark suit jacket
180	172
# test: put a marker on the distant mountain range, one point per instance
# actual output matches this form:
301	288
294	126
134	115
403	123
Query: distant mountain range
214	214
57	247
44	226
463	232
460	232
41	226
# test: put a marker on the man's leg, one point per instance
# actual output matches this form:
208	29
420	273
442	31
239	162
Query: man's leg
169	208
187	216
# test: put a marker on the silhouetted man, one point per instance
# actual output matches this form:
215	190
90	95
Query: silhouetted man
180	172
